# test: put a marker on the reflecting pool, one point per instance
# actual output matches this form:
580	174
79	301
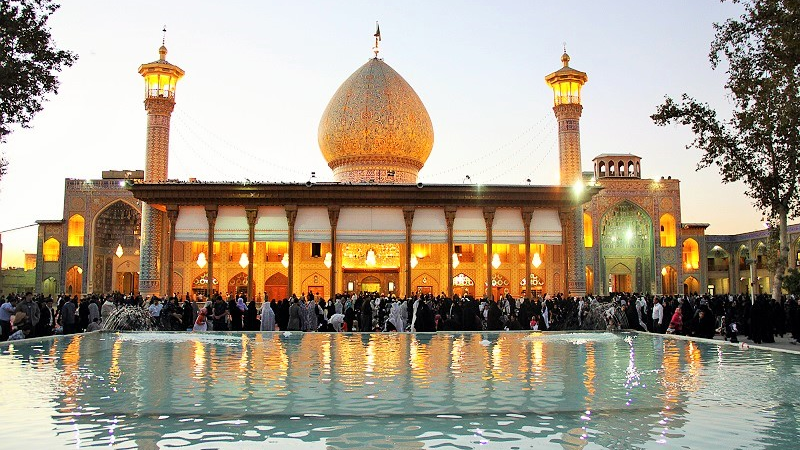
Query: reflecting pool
454	391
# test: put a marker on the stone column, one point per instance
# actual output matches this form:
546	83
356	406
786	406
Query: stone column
211	215
333	217
291	216
569	142
488	217
172	215
450	218
408	215
252	215
526	223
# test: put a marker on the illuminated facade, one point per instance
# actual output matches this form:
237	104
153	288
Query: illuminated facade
375	228
95	248
634	238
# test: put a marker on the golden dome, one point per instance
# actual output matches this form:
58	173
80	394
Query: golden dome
375	128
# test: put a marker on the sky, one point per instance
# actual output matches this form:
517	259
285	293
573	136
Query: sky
259	75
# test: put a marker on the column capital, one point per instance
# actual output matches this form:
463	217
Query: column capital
488	216
450	215
252	216
333	215
408	215
172	213
291	215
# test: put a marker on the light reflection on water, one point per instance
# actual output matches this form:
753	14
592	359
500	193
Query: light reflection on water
141	390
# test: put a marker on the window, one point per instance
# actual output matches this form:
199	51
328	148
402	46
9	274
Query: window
316	249
51	250
587	231
691	254
75	231
667	230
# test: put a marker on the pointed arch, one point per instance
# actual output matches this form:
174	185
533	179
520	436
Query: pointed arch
51	250
668	232
75	230
691	254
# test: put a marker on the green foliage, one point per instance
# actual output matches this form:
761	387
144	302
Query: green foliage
791	281
760	144
29	61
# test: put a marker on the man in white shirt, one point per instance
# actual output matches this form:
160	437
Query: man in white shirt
658	316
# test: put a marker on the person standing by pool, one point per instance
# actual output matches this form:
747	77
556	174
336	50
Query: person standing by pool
68	319
267	317
294	315
658	316
220	312
7	310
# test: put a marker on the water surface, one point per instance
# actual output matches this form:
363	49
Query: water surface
454	391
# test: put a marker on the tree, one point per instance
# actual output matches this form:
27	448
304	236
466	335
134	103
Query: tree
29	61
791	282
760	143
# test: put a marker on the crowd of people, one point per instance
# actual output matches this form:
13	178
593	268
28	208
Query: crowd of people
25	316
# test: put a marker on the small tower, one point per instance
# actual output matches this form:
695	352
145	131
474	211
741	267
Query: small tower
566	83
160	78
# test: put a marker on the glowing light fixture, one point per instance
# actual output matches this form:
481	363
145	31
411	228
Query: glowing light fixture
578	187
285	260
328	260
664	271
455	260
244	261
119	251
201	260
80	270
537	260
371	260
414	261
688	265
496	261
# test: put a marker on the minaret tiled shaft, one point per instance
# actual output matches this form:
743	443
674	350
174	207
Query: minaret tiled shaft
156	166
160	79
566	84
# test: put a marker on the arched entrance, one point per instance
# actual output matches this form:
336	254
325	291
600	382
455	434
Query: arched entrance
626	250
116	239
744	270
370	284
620	278
49	286
238	284
500	286
463	285
425	284
691	286
276	287
74	284
669	280
200	285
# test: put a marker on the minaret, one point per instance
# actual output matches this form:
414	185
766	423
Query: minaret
566	83
160	78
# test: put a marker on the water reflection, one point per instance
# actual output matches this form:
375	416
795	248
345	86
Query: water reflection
451	390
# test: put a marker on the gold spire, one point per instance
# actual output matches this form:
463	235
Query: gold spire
377	35
565	56
162	51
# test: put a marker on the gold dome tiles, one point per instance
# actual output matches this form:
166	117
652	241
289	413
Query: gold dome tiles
374	124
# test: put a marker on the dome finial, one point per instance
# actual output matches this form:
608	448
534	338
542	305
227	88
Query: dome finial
565	56
377	35
162	51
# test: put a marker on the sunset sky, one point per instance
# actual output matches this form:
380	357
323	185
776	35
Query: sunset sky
259	75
